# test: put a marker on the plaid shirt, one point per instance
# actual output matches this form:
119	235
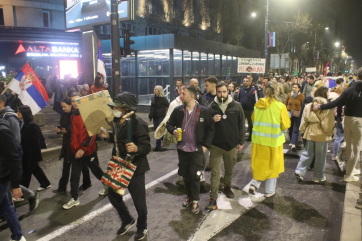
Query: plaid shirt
188	142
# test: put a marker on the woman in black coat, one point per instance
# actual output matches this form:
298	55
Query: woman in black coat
32	142
159	107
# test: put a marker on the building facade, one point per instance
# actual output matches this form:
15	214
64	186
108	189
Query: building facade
34	32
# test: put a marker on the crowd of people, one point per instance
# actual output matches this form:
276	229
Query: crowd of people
208	127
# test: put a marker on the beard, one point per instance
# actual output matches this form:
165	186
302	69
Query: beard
222	99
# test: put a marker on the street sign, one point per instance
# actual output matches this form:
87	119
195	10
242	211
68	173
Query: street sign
251	65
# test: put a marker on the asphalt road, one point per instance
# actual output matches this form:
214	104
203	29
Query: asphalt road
297	211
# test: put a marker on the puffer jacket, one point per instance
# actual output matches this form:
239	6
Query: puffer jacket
317	125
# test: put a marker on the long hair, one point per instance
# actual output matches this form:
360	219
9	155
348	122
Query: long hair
271	90
321	92
26	113
161	93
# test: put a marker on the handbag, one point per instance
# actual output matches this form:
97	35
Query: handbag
118	174
119	171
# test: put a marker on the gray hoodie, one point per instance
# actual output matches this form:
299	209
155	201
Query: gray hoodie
8	114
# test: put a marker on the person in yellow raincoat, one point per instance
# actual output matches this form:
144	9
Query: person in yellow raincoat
270	118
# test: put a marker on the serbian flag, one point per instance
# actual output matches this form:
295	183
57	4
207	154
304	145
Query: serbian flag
100	63
29	88
327	68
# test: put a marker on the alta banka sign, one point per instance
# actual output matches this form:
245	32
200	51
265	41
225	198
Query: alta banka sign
33	50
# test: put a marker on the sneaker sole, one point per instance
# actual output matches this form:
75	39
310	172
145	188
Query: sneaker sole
269	194
125	231
43	189
144	236
67	208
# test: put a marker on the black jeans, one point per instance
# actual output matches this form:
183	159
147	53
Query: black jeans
63	181
31	167
190	167
137	190
77	166
248	114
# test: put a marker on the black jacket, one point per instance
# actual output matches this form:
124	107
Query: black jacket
10	163
140	138
351	99
229	132
205	128
65	123
159	106
31	137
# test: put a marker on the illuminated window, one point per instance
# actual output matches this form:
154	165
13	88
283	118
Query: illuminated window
46	19
1	17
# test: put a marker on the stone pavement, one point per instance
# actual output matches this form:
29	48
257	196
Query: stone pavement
351	229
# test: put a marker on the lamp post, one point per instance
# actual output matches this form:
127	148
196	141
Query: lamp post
266	35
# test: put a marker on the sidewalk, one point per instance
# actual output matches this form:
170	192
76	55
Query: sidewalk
351	229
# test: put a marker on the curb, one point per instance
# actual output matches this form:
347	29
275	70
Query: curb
351	229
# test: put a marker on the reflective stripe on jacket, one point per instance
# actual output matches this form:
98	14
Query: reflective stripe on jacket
267	125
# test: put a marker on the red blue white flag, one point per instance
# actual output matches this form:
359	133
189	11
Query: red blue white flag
100	63
29	88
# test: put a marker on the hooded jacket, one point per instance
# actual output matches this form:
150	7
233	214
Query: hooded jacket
317	125
351	98
140	138
10	163
229	132
13	121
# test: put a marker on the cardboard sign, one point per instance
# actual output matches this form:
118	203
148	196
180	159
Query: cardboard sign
251	65
95	112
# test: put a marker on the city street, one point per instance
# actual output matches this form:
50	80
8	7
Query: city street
297	212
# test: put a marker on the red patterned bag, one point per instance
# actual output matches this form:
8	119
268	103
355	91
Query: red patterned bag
118	174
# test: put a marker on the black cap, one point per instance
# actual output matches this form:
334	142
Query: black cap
125	99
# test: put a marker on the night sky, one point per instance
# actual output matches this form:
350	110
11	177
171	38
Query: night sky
350	28
343	17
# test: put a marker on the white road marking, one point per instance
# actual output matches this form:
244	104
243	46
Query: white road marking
99	211
228	211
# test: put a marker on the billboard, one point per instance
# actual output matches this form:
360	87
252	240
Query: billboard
251	65
80	13
49	50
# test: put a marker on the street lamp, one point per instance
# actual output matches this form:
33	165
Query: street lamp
337	44
253	14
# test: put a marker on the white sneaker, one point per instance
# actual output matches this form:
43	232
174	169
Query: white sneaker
71	204
39	189
269	194
317	180
20	199
104	191
356	172
351	179
22	239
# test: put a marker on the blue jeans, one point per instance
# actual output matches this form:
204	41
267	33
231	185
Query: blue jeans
313	150
338	139
270	184
7	211
294	129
